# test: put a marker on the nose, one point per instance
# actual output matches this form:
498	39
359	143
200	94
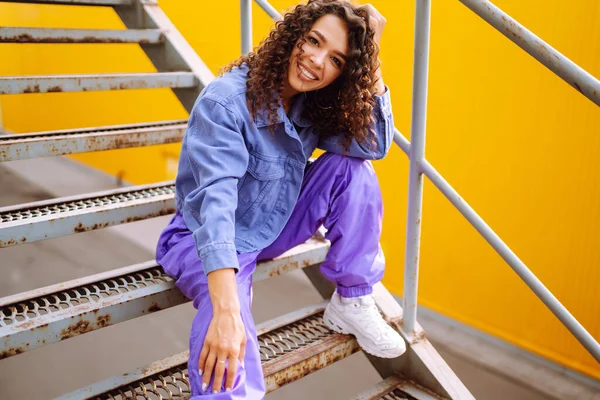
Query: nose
317	58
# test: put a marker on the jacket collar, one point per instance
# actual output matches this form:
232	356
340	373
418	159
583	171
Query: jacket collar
295	116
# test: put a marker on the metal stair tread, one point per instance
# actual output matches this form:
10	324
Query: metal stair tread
70	35
47	315
289	352
60	142
95	82
25	223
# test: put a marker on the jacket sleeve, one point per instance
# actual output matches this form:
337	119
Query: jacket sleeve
384	134
219	158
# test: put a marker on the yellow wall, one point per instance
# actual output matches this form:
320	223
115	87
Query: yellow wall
519	144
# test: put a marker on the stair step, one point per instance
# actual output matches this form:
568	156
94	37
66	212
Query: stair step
50	35
93	82
47	315
397	388
26	223
76	2
289	351
54	143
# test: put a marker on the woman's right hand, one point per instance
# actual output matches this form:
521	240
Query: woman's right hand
226	337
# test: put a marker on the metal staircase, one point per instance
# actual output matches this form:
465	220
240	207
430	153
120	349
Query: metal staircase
291	346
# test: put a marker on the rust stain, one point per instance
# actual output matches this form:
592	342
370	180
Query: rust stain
577	87
284	268
55	89
154	308
103	321
74	330
160	213
79	228
11	352
32	89
27	38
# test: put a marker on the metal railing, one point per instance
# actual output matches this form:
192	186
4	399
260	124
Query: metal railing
577	77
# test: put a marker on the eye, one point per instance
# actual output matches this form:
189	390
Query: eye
313	40
336	61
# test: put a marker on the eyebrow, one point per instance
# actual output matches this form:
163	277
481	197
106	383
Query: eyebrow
320	35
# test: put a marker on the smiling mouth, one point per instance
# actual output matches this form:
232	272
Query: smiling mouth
306	73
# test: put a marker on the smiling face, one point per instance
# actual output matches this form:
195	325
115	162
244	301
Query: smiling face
323	57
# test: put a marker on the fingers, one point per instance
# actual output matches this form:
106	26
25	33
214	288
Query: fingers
231	371
219	372
209	366
214	367
202	359
243	351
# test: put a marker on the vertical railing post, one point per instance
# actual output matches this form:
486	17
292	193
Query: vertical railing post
246	17
417	153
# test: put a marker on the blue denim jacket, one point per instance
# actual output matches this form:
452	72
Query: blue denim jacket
237	182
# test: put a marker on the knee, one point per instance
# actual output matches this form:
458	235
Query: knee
356	171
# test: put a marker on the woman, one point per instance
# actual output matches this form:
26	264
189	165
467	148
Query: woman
245	193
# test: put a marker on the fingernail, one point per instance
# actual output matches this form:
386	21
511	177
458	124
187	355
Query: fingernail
242	363
228	390
215	391
204	385
200	371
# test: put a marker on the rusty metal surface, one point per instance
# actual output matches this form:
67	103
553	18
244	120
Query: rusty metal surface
287	354
42	144
83	83
77	2
53	35
58	312
42	220
54	317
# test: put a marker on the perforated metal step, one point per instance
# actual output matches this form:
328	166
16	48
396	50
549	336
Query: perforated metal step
54	143
31	222
53	35
291	347
83	83
48	315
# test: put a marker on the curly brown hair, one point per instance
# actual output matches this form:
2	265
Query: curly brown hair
346	105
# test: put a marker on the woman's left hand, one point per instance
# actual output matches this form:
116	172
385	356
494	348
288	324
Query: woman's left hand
376	21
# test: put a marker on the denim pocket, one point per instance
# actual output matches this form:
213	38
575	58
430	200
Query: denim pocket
258	190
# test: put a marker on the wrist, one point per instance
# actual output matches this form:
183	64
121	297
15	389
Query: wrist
222	287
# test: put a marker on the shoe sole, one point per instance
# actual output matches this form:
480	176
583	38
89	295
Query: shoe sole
337	324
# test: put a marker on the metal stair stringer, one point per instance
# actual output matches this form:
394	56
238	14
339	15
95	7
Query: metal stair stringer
175	54
421	362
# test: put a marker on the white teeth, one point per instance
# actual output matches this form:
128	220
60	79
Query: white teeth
306	73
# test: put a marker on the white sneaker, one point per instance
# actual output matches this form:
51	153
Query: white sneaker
359	316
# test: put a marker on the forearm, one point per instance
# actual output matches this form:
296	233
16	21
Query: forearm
222	287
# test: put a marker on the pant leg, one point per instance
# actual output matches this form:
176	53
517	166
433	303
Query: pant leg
177	254
342	193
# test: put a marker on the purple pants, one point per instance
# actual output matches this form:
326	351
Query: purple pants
341	193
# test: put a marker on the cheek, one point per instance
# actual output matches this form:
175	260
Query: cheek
332	74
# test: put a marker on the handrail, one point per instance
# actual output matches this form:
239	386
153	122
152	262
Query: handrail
555	61
570	72
415	177
269	9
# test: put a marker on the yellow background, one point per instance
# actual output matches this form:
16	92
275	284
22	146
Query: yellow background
518	143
